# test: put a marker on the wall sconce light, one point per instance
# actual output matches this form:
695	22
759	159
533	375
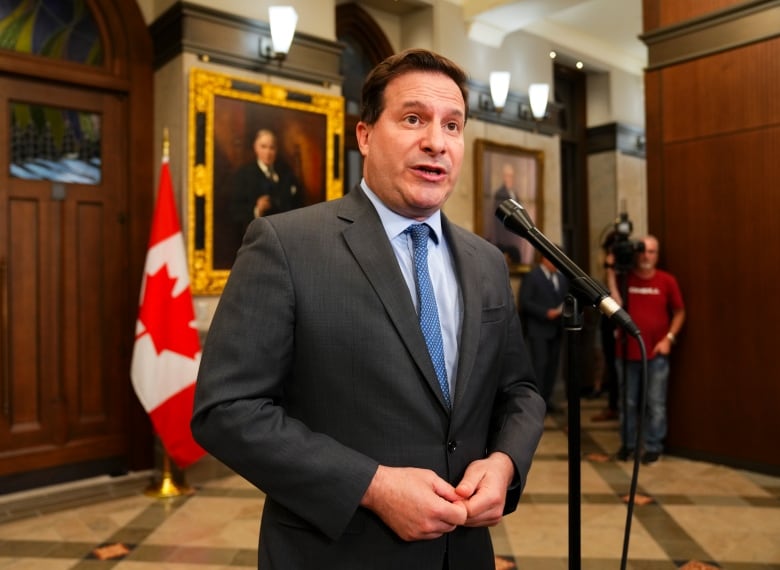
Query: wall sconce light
283	20
499	88
538	94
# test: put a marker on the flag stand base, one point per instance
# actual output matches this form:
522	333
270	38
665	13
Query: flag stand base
167	487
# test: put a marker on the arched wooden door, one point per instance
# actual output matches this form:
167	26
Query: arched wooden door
75	196
365	46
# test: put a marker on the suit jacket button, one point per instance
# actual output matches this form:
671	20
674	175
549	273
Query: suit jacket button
452	446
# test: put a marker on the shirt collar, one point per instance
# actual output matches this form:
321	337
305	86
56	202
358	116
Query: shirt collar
395	224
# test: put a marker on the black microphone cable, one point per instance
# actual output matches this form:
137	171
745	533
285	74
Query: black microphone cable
637	443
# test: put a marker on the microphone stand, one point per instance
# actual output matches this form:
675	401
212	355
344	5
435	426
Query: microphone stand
572	324
516	219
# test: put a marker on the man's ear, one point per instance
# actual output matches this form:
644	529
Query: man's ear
363	133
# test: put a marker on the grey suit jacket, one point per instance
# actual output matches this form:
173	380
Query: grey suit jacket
315	371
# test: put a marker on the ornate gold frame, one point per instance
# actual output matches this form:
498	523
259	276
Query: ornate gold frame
243	102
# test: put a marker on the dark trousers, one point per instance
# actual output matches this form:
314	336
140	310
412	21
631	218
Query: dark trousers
610	378
545	356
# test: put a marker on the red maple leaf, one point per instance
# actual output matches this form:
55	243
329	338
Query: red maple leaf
167	318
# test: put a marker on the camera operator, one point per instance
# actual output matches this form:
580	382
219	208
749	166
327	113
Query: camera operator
653	299
608	382
618	251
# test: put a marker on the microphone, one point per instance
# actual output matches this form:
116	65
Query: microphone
516	219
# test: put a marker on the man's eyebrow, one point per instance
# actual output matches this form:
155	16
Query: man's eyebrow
417	103
413	103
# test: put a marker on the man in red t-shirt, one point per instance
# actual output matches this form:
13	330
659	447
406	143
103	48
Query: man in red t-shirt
655	304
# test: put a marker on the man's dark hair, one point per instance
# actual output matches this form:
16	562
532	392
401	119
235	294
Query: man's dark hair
373	102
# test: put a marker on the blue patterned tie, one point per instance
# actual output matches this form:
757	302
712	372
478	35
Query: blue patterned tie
429	314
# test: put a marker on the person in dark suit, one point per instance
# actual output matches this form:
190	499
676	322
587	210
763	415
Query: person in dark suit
263	187
316	382
542	292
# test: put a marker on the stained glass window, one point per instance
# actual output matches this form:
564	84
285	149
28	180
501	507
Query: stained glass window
57	29
49	143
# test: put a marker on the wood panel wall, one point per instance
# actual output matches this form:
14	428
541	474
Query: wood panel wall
673	12
713	159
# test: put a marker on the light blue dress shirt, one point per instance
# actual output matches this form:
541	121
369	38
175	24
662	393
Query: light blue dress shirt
441	268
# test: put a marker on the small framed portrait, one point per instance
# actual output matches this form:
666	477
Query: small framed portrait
504	172
254	149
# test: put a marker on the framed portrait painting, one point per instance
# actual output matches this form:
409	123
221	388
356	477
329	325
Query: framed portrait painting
502	172
227	115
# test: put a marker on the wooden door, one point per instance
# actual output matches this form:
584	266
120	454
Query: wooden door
63	389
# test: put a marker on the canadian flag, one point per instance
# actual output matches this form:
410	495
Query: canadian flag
166	354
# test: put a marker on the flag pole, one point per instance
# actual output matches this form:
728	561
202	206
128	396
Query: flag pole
166	149
167	487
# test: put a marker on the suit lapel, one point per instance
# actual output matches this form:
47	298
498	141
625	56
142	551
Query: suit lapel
377	260
469	279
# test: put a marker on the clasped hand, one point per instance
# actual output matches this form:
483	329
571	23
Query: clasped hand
418	504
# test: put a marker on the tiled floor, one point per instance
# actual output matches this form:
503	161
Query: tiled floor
699	516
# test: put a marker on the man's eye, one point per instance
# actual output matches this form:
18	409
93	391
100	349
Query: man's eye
413	119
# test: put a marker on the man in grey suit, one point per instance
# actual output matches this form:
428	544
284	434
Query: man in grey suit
316	383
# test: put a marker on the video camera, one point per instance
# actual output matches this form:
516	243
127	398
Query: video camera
623	247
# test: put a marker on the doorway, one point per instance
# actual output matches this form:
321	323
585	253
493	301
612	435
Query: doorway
76	195
62	197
